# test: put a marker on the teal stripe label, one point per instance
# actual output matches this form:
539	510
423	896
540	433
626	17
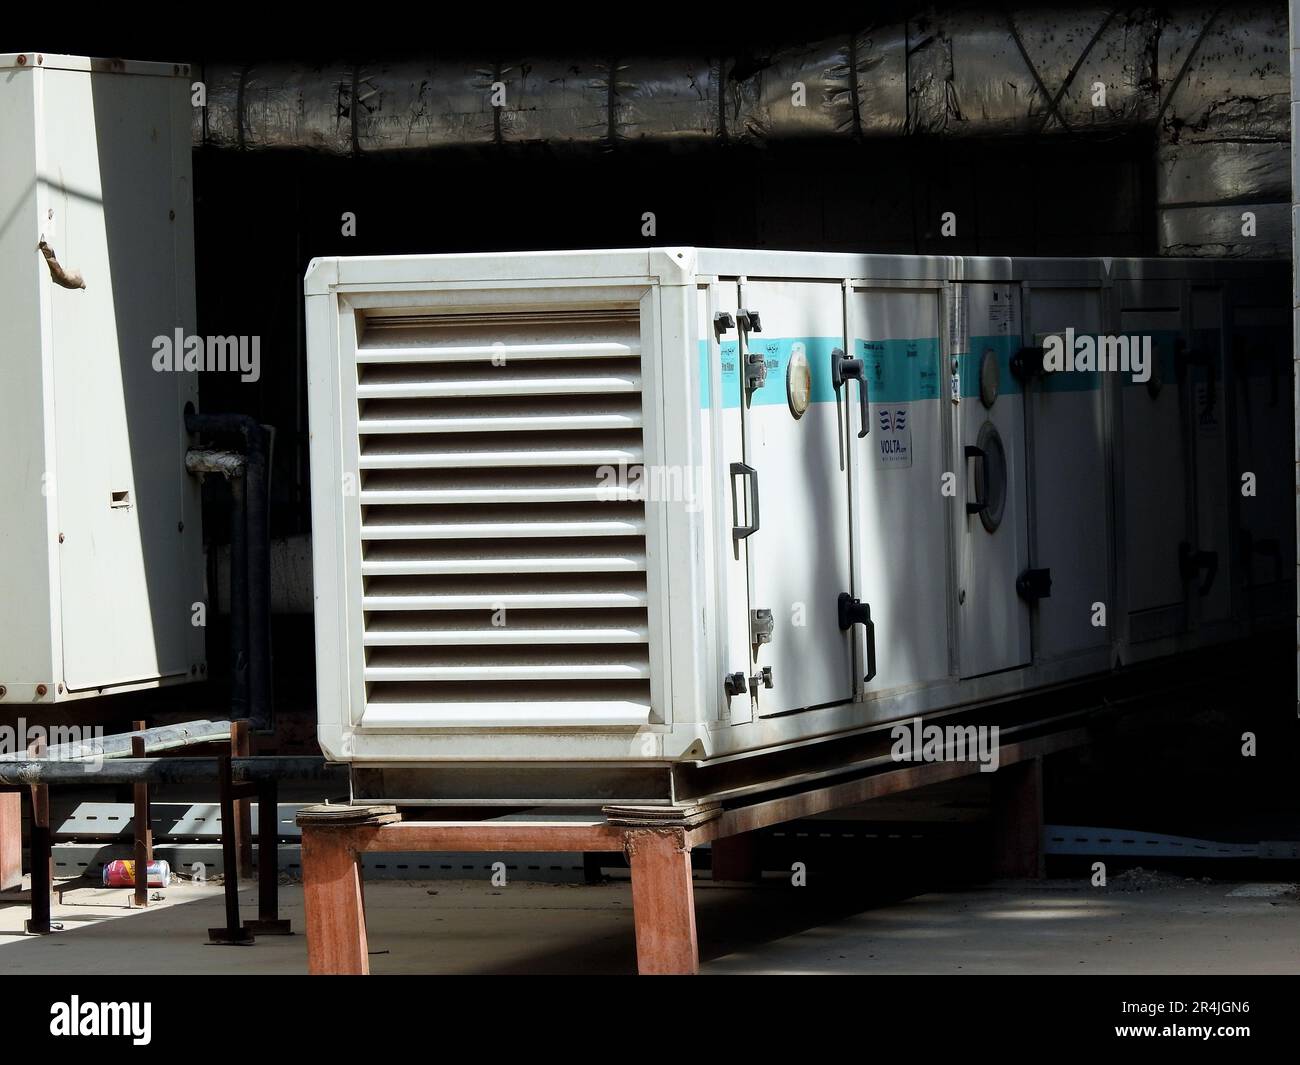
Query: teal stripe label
777	353
900	371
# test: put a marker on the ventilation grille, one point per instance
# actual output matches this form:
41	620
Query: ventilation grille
504	567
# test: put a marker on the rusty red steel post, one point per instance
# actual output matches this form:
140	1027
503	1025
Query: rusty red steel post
11	840
1018	819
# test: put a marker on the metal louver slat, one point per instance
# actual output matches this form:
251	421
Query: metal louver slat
425	565
434	386
499	601
470	451
470	629
417	353
503	550
507	422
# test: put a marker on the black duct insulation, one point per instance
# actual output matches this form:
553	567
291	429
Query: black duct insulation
1211	82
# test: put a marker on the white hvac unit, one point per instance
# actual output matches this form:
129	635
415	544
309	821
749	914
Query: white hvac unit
100	537
583	518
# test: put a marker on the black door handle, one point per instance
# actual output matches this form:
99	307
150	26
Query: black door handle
1191	562
973	452
738	531
844	368
855	612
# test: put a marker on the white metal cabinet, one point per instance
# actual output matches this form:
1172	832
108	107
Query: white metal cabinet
102	560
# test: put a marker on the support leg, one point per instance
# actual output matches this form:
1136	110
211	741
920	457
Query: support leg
663	902
736	857
42	859
143	833
241	747
233	932
336	912
1018	820
11	841
268	921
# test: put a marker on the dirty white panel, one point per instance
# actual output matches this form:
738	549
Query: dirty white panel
1070	470
112	553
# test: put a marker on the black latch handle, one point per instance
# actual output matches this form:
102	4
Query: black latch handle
844	368
1034	584
855	612
1191	562
1027	363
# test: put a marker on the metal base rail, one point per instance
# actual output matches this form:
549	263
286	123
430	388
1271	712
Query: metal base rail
657	841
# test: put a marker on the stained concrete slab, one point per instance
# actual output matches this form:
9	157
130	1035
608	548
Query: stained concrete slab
471	927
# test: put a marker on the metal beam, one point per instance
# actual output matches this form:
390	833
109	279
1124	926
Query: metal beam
180	770
160	738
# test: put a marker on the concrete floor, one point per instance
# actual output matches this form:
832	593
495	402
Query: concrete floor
1172	926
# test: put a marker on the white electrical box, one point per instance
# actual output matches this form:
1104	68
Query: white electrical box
582	518
101	561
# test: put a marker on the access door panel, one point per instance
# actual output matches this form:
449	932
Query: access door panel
1204	370
901	565
992	548
122	488
1068	473
1155	462
734	504
799	554
1260	359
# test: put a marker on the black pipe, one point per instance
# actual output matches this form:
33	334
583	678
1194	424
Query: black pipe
250	538
260	702
156	739
239	649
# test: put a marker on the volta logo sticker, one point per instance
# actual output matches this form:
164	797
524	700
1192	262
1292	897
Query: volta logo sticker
894	440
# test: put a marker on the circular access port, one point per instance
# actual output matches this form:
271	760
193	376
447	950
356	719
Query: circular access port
798	382
988	378
991	476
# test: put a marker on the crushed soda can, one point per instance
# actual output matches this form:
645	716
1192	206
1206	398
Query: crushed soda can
121	873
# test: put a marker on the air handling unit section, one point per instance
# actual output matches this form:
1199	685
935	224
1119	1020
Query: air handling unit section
589	524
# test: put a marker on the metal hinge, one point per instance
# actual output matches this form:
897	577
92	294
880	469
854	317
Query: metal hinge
761	625
755	364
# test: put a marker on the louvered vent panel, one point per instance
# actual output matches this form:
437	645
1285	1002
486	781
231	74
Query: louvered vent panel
504	570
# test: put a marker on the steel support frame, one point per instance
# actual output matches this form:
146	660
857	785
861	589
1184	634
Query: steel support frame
234	828
656	841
